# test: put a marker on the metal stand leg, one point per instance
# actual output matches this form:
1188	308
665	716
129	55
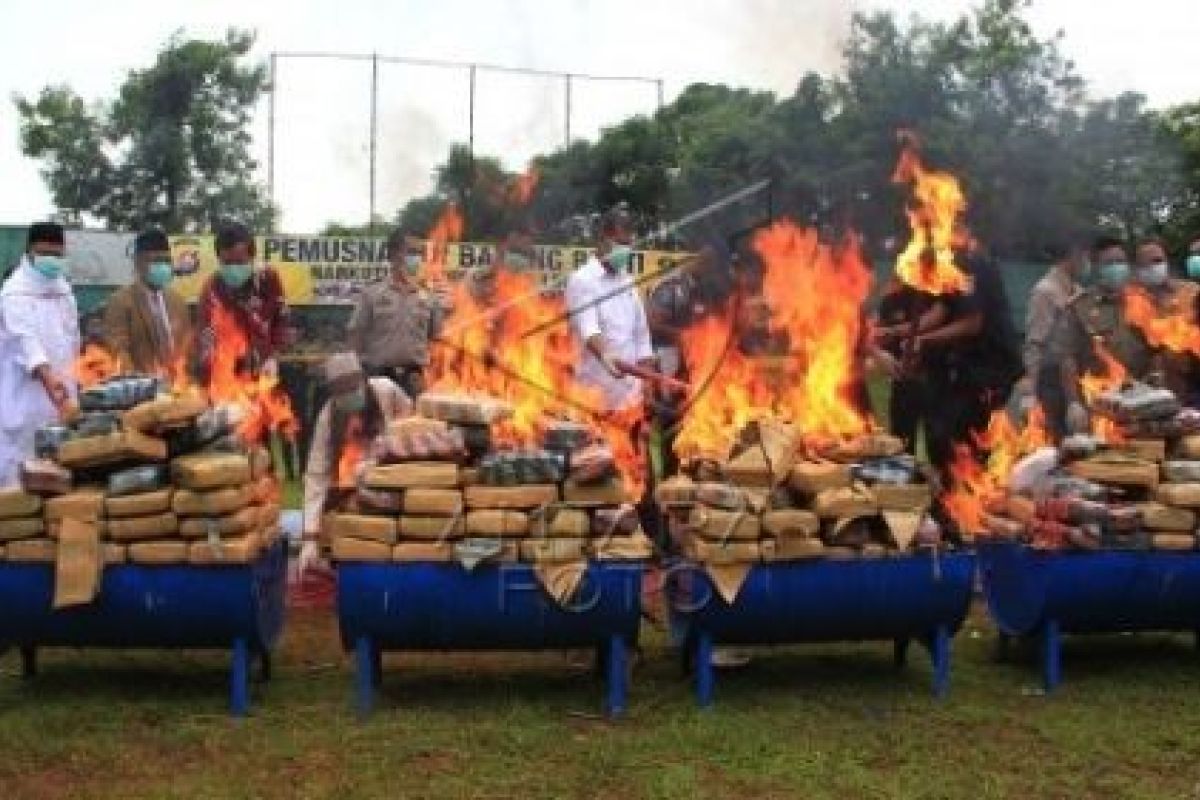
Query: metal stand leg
1051	656
940	650
900	652
704	670
364	676
618	677
264	666
28	661
377	667
687	655
239	686
1003	647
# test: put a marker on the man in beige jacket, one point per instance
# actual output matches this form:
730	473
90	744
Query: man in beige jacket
147	324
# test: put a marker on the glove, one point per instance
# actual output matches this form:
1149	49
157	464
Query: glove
310	557
1077	418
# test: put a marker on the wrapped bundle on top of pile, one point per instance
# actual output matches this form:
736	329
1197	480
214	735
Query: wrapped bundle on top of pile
768	502
436	488
1139	489
142	476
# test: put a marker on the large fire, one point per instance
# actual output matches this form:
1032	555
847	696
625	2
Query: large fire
975	483
95	365
814	293
1095	384
448	228
937	204
1176	332
266	405
353	451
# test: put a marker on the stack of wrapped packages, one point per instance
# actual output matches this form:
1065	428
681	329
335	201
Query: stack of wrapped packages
142	476
436	488
776	498
1138	487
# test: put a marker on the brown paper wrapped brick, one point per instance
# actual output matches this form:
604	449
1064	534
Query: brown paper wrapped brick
728	578
44	477
356	526
869	445
1117	469
1149	449
114	553
462	409
839	503
113	448
553	550
1188	447
516	497
632	547
80	504
560	523
792	548
15	503
560	579
242	550
436	552
721	495
236	524
79	562
678	490
207	471
348	549
26	528
162	552
903	497
791	523
501	523
132	529
716	525
139	505
728	552
39	551
433	529
413	475
164	413
1181	495
433	502
608	493
810	478
1160	518
212	503
1173	541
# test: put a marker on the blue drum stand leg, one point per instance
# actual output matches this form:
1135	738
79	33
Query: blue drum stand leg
28	661
366	675
939	652
1051	656
239	677
617	667
900	652
702	664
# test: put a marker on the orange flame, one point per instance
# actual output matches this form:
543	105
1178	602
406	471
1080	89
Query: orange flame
521	190
975	485
352	454
517	346
265	404
1093	385
1176	332
813	295
95	365
938	202
448	228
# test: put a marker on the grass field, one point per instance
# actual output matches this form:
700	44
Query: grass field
829	721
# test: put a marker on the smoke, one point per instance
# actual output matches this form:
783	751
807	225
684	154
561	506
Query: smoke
775	42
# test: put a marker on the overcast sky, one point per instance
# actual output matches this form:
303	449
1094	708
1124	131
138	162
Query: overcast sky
323	106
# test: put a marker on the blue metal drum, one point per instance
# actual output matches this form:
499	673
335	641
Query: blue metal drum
240	607
923	597
1048	593
443	606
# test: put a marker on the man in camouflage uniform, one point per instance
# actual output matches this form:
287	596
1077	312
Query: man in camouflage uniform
1096	318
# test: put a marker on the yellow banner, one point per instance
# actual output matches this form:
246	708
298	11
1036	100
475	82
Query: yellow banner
327	270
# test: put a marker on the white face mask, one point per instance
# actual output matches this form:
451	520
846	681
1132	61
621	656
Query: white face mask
1153	275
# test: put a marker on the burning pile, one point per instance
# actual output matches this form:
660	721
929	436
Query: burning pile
1136	489
141	475
436	488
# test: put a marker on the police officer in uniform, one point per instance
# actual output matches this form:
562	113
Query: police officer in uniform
395	320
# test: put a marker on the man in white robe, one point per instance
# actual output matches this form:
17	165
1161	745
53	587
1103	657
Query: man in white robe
39	343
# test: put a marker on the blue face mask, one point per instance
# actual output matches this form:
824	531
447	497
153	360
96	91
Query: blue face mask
235	276
1113	276
48	266
619	257
160	274
1193	265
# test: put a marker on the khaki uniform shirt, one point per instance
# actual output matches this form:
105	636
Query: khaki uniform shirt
1046	303
395	325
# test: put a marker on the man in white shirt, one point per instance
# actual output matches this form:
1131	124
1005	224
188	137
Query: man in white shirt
39	342
609	320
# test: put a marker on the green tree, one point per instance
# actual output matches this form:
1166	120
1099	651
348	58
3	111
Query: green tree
172	148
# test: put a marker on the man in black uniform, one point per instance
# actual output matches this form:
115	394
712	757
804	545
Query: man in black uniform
900	309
